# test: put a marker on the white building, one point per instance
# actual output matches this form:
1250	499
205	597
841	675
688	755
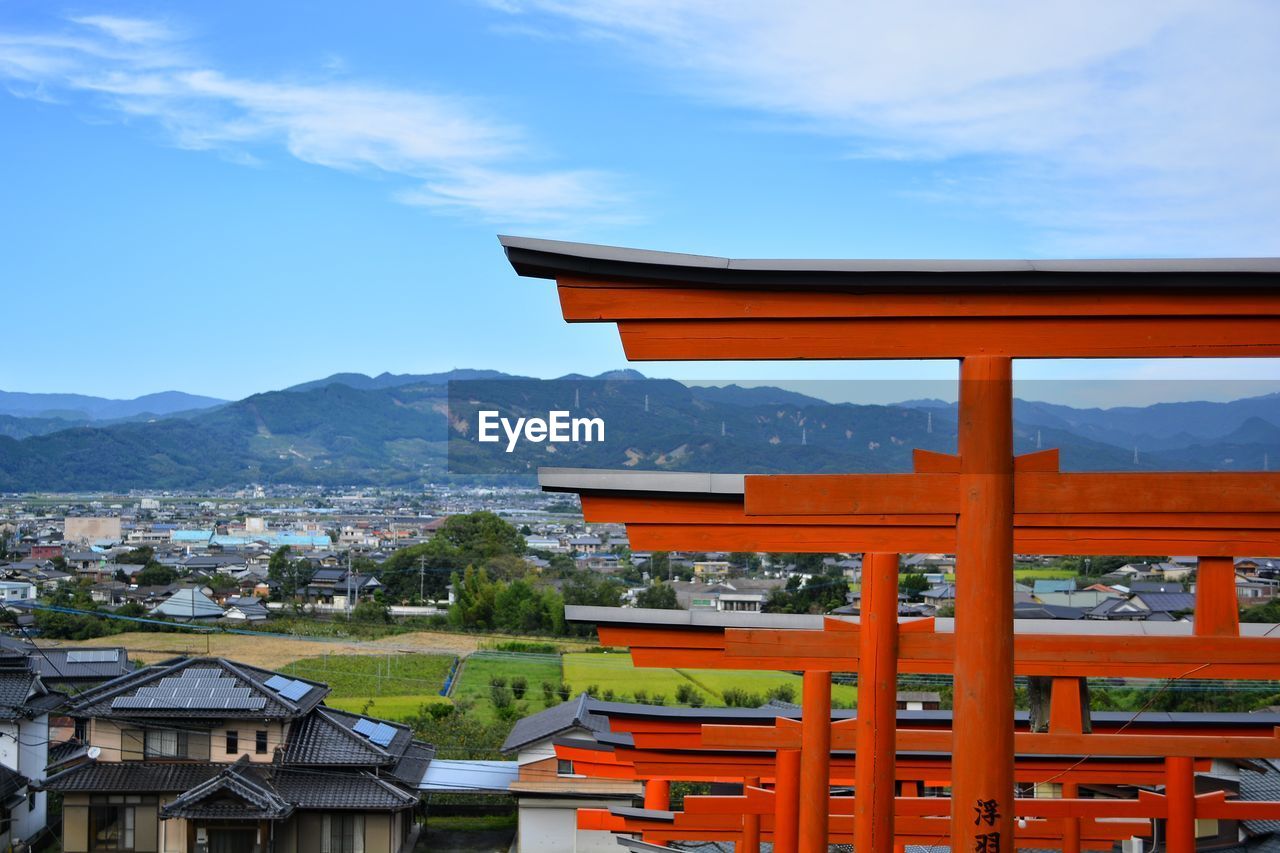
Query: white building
548	792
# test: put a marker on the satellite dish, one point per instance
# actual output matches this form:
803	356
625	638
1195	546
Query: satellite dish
94	752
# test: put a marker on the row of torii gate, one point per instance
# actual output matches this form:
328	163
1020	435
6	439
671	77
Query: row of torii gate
982	504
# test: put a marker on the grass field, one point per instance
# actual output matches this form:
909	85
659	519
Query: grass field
615	672
393	686
1042	574
273	652
473	683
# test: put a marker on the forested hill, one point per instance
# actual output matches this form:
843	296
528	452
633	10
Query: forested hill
394	430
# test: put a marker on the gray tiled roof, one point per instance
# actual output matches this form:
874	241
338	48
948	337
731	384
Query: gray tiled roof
11	782
53	665
412	766
575	713
132	776
240	792
331	790
1264	785
325	738
168	681
1168	601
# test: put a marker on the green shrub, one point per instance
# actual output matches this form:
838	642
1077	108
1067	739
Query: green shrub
782	693
519	685
501	696
736	697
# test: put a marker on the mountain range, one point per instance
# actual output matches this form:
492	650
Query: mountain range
408	429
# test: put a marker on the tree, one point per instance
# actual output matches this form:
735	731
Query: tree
913	584
478	536
138	556
155	575
371	612
659	596
588	588
474	539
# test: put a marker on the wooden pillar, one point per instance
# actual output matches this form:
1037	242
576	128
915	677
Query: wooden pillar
877	705
1180	794
910	788
786	789
1070	825
982	784
815	763
657	796
750	823
1217	608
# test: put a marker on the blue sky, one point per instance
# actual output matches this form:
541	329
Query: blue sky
231	197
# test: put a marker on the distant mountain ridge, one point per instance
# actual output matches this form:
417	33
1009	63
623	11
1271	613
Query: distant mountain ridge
83	407
398	380
352	429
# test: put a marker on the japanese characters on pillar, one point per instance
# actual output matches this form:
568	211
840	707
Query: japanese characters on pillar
986	816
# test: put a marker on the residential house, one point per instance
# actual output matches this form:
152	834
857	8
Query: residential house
109	593
1034	610
919	700
70	669
209	755
711	570
1118	608
585	544
25	703
1173	603
1047	585
187	604
89	564
245	609
17	591
1075	598
942	595
548	792
45	550
738	595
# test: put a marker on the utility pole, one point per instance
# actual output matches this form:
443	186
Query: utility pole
422	577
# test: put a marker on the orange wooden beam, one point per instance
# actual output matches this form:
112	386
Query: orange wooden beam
588	300
785	734
1035	492
917	338
1063	655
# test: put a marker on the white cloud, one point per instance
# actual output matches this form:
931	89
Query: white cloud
1144	126
449	153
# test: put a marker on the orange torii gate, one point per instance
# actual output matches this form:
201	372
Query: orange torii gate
984	313
665	743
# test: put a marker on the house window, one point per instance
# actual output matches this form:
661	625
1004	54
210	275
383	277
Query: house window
5	818
342	833
564	767
260	742
233	742
166	743
111	827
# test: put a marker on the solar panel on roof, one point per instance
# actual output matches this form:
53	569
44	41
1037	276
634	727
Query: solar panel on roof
93	655
296	690
382	734
278	682
365	727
